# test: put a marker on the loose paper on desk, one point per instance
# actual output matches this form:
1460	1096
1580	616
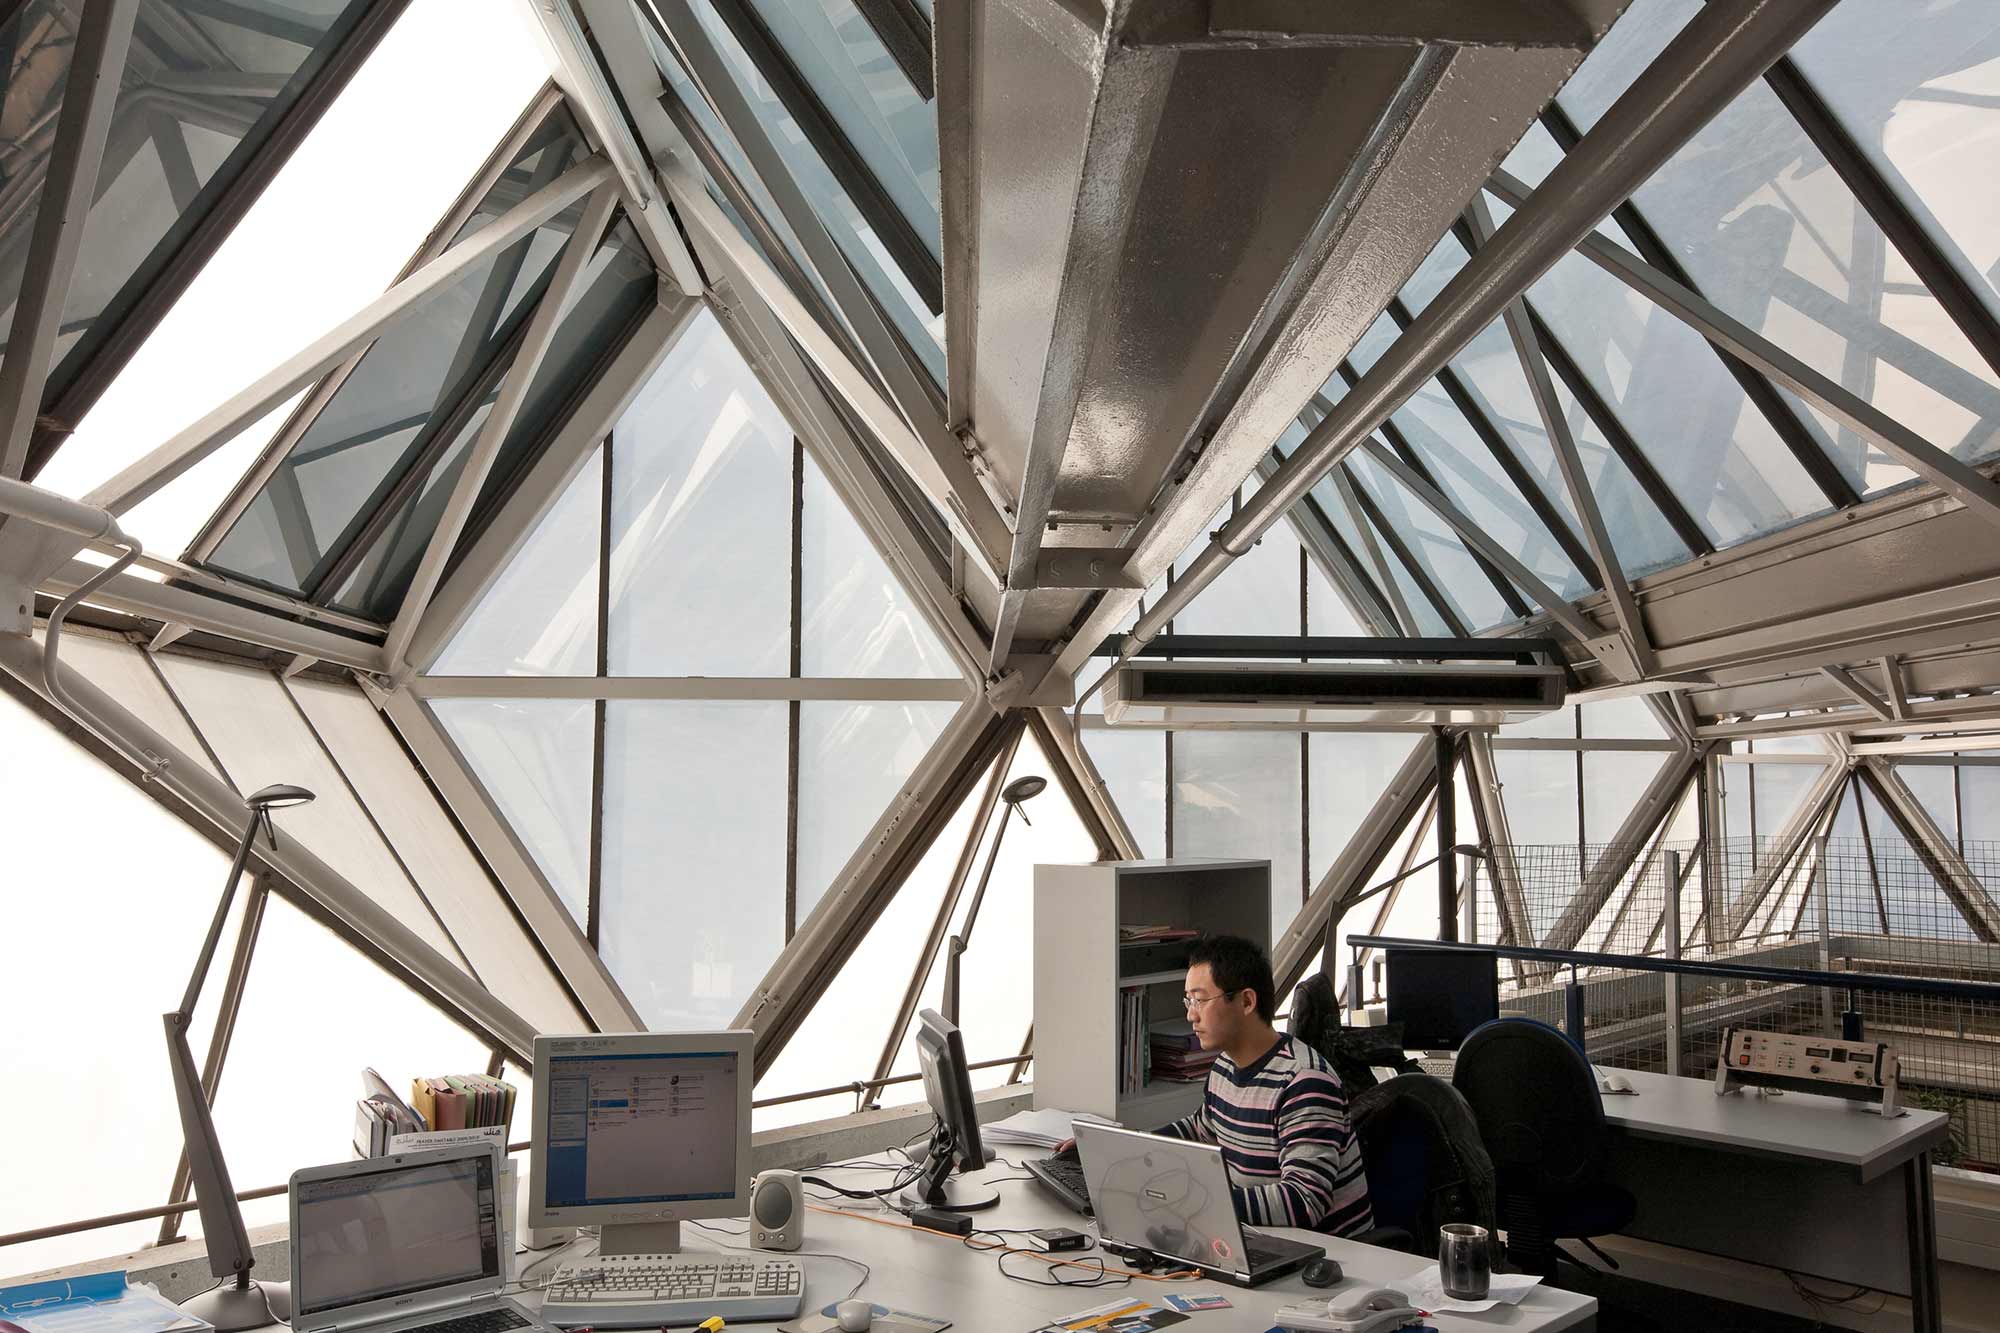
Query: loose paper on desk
1037	1129
1426	1291
99	1303
885	1321
1126	1316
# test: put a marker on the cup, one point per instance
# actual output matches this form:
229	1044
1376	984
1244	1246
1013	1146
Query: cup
1465	1261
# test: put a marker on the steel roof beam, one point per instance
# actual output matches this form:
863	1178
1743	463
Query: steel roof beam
1721	51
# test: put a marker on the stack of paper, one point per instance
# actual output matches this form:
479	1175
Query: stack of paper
1037	1129
381	1115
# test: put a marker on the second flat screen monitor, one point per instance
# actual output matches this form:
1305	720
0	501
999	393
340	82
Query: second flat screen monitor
1440	997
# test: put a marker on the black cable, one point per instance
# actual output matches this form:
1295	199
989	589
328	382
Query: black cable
1052	1269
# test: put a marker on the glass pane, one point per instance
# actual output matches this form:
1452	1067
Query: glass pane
1776	238
373	429
1556	724
1327	612
862	88
858	621
864	252
1377	558
1613	782
694	855
1777	791
1538	789
1936	789
1349	774
1630	718
504	957
1257	594
1979	799
261	738
702	464
1922	99
176	143
1910	892
1436	547
144	930
533	756
1236	793
618	287
1133	765
853	759
540	616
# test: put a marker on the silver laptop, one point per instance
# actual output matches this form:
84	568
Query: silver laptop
1171	1196
399	1243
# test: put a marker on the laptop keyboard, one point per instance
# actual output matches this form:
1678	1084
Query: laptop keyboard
486	1321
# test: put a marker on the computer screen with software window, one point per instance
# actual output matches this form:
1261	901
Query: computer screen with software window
642	1128
637	1132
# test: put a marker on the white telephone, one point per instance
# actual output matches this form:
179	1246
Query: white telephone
1358	1312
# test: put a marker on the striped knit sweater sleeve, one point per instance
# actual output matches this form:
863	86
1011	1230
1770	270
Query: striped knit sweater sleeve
1283	1129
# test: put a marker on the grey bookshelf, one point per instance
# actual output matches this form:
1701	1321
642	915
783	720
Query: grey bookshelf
1078	912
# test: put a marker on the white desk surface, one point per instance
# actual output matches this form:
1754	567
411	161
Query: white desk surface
935	1275
1798	1124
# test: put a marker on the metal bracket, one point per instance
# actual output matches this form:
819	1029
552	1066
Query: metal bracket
1616	654
1085	567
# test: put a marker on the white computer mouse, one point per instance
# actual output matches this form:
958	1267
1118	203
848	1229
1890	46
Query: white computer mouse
854	1316
1613	1083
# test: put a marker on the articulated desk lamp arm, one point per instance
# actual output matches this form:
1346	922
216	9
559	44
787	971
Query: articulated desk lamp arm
238	1302
1017	791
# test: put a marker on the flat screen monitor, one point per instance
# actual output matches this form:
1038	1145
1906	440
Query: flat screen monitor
1440	996
955	1146
637	1132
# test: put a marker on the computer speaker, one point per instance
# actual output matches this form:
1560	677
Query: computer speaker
777	1211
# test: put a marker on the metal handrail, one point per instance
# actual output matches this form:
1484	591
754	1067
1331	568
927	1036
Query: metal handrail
856	1088
1852	981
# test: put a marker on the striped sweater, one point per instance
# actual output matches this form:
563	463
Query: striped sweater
1282	1125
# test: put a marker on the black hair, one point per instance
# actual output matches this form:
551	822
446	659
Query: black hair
1237	964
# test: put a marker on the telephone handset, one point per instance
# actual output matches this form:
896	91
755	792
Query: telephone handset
1366	1311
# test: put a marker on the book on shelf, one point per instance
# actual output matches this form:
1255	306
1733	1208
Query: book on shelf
1128	935
1175	1034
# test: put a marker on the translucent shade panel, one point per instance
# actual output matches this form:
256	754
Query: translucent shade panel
1539	791
1936	789
1133	765
372	429
143	930
1921	97
260	736
291	1037
702	465
1327	612
1631	718
1256	594
853	759
1237	794
856	618
540	616
618	286
170	154
1915	902
534	758
502	954
1777	790
126	673
1776	238
1613	782
1979	807
879	113
693	906
1349	772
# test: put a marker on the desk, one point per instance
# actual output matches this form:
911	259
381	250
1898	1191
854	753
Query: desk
914	1270
1814	1184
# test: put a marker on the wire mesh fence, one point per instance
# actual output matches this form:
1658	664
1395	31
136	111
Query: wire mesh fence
1883	906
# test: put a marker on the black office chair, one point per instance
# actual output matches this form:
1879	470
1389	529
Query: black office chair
1541	1116
1426	1165
1354	1053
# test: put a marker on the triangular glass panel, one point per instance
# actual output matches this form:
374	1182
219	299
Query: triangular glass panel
857	619
853	759
540	616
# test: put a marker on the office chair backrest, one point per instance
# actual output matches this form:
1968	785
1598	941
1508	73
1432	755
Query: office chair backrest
1426	1165
1536	1101
1354	1053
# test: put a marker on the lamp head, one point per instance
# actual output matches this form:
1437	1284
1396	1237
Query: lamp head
277	796
1021	789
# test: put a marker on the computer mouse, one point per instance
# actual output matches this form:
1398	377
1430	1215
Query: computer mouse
1322	1272
854	1316
1613	1083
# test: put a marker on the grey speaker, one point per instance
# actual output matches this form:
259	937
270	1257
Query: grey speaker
777	1211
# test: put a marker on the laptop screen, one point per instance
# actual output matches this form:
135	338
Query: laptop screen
403	1229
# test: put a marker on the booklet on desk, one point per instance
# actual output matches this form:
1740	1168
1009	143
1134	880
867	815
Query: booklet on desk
99	1303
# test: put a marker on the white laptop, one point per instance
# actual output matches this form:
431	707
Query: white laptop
1171	1196
407	1242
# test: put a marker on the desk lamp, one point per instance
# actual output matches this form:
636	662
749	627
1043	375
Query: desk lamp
236	1302
1015	792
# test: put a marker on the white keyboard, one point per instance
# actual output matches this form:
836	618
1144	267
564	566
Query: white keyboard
662	1289
1438	1066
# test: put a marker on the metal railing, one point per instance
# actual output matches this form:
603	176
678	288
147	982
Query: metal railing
858	1089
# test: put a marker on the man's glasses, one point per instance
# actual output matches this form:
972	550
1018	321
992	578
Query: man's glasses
1191	1003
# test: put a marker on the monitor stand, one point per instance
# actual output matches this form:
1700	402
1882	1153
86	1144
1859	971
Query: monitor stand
939	1188
623	1238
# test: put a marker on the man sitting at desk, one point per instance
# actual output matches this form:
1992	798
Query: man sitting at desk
1272	1105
